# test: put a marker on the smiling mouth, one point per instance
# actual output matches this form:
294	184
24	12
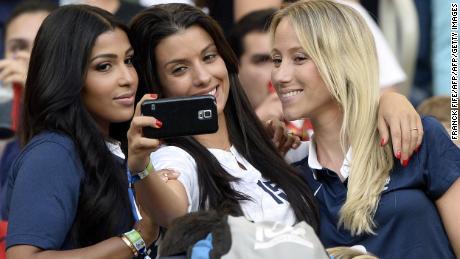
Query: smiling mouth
291	93
213	91
126	100
124	96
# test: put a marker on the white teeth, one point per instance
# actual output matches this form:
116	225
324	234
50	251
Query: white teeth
292	93
213	91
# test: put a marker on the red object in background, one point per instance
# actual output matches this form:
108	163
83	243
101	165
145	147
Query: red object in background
3	227
271	88
304	131
16	109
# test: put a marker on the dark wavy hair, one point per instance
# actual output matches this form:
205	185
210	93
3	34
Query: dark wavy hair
57	72
246	132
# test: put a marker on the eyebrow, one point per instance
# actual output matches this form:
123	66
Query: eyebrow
18	41
293	49
260	54
260	57
180	60
110	55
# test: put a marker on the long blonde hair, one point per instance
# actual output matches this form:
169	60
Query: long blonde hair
341	45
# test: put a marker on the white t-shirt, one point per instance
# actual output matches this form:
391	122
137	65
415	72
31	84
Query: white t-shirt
269	202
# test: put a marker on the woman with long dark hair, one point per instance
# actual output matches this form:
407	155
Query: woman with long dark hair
180	51
68	187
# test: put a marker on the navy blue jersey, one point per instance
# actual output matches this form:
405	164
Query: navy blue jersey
408	223
44	190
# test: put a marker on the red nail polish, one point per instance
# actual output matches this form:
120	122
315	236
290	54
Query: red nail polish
158	123
398	155
154	96
382	142
405	162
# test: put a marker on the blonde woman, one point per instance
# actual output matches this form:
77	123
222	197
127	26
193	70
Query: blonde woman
325	68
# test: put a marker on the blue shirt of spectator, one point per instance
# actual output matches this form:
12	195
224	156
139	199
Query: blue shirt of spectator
10	153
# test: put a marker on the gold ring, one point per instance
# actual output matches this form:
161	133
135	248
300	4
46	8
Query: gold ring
414	129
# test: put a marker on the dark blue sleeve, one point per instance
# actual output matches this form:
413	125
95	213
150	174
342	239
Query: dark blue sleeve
44	197
10	153
442	158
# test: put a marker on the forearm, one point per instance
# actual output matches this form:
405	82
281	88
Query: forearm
163	201
111	248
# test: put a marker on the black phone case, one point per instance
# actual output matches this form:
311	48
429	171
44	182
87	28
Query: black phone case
181	116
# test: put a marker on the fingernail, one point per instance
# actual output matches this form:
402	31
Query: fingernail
154	96
398	155
405	162
158	123
382	142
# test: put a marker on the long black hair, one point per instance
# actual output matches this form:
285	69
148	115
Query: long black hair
246	132
56	78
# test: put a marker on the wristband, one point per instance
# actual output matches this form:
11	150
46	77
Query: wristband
136	240
131	246
142	174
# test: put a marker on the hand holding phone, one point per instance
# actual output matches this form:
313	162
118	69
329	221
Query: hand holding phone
181	116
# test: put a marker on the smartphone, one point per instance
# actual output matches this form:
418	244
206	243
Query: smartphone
181	116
